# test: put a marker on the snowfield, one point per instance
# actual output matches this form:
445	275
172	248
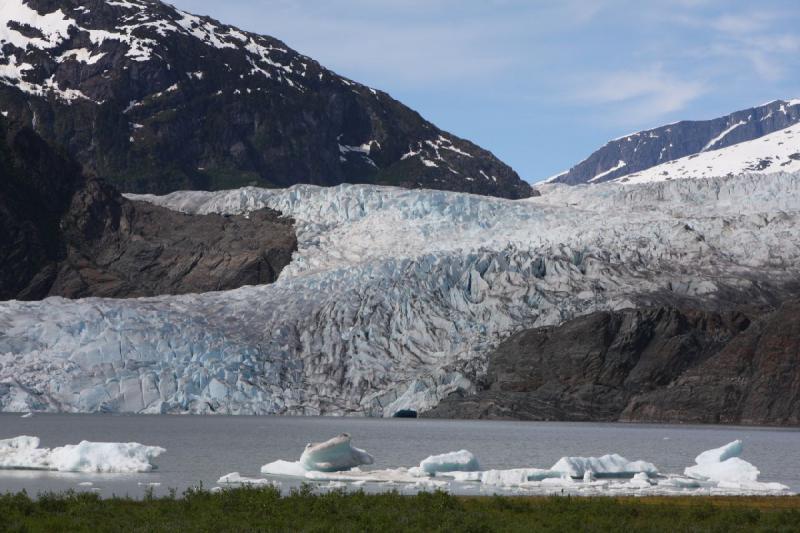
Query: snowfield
772	153
395	296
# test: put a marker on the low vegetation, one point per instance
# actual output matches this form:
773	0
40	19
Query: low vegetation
265	509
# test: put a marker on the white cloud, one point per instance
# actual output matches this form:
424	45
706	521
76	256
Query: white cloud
639	95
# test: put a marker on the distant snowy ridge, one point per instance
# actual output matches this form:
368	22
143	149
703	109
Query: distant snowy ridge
643	151
395	297
776	152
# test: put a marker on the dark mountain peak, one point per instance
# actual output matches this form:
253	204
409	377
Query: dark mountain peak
645	149
157	99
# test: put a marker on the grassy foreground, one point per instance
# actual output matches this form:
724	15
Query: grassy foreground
253	509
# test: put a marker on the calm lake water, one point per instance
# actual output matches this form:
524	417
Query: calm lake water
200	449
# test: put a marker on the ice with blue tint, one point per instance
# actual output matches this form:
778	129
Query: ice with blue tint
395	298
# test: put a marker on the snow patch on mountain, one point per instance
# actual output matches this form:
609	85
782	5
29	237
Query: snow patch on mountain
775	152
137	25
395	296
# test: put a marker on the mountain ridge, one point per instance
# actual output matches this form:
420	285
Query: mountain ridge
155	99
643	150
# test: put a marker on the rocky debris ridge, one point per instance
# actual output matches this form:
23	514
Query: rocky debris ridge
395	298
657	365
61	235
632	154
155	99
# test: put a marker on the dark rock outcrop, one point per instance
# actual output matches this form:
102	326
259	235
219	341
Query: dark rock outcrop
645	149
655	365
61	235
154	99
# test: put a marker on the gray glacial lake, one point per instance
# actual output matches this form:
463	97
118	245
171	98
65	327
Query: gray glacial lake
200	449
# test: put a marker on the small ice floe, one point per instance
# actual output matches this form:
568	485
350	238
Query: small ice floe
236	478
27	415
86	484
152	484
612	465
460	461
334	455
24	453
724	467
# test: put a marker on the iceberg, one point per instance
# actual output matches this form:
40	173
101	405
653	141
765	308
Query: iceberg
611	465
727	470
284	468
460	461
723	464
723	453
334	455
24	453
721	472
237	478
516	477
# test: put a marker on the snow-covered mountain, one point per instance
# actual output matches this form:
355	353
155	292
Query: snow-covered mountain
689	149
155	99
395	297
774	152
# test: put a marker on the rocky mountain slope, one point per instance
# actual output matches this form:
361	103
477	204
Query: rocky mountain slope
395	298
154	99
646	155
63	235
656	365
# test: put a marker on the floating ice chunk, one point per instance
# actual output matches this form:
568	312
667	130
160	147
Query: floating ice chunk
284	468
235	477
678	482
334	455
612	465
27	415
717	455
515	477
23	453
640	481
733	469
723	464
460	461
752	486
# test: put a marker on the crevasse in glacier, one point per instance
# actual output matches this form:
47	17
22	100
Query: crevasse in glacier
394	297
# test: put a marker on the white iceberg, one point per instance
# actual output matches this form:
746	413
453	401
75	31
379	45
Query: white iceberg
723	453
24	453
516	477
237	478
723	464
611	465
334	455
284	468
460	461
727	470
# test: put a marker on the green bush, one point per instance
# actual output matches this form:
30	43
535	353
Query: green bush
265	509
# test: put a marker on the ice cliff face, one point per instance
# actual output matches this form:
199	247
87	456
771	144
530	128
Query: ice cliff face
394	297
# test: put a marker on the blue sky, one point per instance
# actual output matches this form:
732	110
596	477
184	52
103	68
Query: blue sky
541	83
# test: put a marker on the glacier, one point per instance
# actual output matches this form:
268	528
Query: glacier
395	296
